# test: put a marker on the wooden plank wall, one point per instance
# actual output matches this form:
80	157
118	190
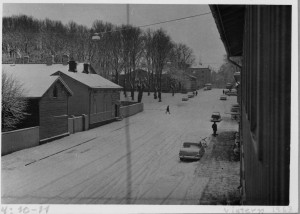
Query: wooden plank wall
53	113
266	98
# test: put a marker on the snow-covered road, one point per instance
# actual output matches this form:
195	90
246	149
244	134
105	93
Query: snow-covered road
133	161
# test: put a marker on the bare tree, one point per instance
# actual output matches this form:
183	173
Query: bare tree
162	45
132	52
149	57
13	103
115	52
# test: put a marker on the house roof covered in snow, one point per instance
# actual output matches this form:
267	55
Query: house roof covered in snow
90	80
34	83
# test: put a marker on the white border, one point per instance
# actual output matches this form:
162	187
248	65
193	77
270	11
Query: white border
90	209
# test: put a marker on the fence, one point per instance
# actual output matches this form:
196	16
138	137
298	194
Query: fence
101	117
20	139
78	124
129	110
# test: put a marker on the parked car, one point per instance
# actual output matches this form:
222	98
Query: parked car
191	151
232	93
216	117
236	105
235	108
185	99
190	96
223	97
208	86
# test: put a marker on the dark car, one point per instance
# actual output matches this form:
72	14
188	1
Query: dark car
185	99
191	151
190	96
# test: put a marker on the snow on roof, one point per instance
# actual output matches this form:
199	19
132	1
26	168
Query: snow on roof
34	82
191	76
91	80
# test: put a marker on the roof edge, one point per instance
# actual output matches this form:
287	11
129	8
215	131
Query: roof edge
217	17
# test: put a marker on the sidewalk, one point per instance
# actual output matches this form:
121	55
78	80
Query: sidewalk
223	171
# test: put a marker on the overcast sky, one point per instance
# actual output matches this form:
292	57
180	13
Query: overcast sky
199	33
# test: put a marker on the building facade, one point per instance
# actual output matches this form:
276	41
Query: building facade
203	75
261	34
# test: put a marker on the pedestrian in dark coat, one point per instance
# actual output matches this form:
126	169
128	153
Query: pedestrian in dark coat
214	127
196	93
223	91
168	110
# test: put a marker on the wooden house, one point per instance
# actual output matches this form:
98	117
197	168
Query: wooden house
93	95
47	98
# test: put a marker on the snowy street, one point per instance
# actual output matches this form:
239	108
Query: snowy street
133	161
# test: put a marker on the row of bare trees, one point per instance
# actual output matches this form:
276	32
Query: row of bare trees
120	49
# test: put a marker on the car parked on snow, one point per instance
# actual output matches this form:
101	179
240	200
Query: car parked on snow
216	117
185	99
235	108
232	92
191	151
223	97
190	96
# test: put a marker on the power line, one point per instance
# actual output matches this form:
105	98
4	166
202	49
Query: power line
162	22
173	20
147	25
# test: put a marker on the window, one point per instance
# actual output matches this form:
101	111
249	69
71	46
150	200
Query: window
55	92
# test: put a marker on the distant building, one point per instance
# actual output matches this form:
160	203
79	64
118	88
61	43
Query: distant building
203	75
189	83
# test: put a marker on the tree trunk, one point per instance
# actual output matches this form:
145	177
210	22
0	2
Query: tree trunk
159	92
132	91
117	78
125	92
140	94
159	95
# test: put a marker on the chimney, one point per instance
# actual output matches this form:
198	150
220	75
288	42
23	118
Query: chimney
26	59
65	59
72	66
50	60
86	68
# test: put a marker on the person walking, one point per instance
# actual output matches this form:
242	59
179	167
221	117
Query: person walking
215	128
168	110
196	93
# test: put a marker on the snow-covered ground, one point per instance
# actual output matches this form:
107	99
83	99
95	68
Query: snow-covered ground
133	161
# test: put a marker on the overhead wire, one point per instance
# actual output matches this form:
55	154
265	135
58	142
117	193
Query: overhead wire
162	22
152	24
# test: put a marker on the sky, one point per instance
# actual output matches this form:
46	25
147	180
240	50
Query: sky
199	33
